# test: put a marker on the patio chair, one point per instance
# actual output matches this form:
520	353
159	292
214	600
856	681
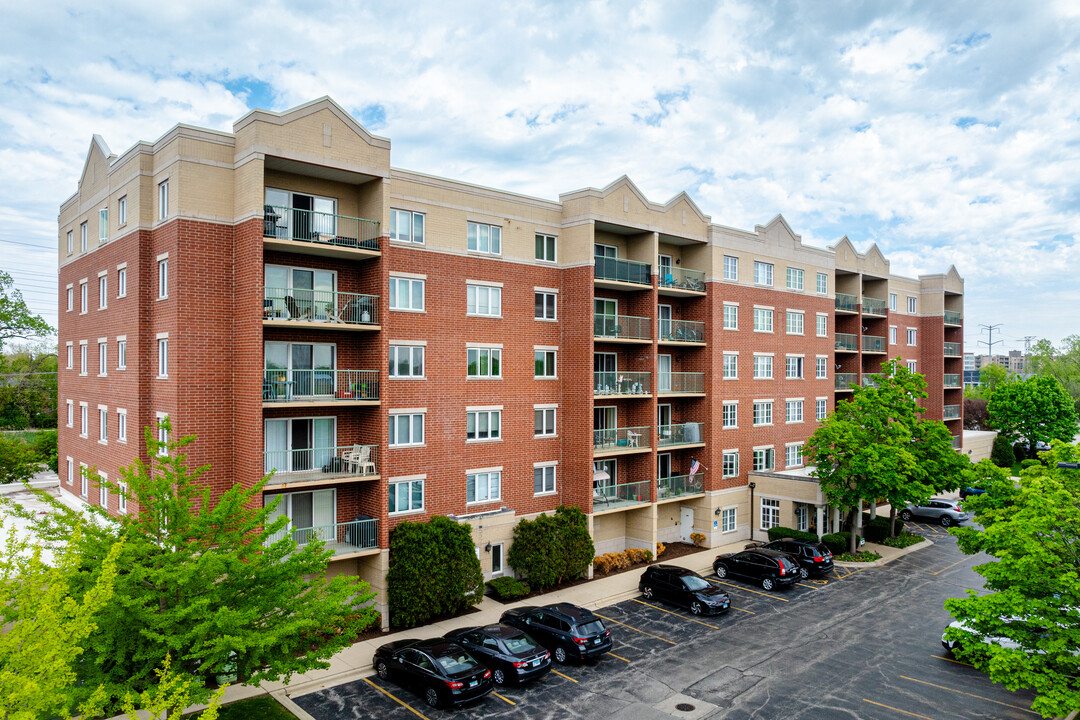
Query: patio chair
363	460
295	312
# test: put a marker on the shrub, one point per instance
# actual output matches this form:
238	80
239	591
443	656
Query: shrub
1002	453
1030	462
837	543
44	447
508	588
697	538
778	533
1019	452
638	556
877	529
17	461
660	549
549	550
903	540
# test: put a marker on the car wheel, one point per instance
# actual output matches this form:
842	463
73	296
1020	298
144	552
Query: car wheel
382	669
767	583
946	521
905	515
647	592
721	571
560	655
695	607
499	677
431	697
803	573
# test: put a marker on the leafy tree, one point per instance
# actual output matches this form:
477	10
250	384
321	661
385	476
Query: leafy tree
975	414
434	571
44	447
576	549
1033	410
173	693
28	389
216	584
1031	530
991	377
17	460
1061	362
551	549
1001	454
16	320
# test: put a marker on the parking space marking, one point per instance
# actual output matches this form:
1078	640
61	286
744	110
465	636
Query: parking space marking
740	587
617	657
669	612
890	707
942	657
748	612
978	697
949	566
605	617
503	698
849	573
565	676
399	702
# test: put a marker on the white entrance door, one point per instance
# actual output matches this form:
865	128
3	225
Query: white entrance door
686	523
663	364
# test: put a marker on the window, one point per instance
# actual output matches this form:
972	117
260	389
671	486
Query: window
121	283
822	283
911	336
407	226
770	513
731	317
727	519
406	429
163	200
497	559
794	279
121	212
544	422
103	425
911	365
731	413
911	306
484	300
822	409
483	487
71	242
793	455
822	325
70	356
484	238
406	294
545	306
121	497
103	226
763	367
84	298
731	463
763	413
407	496
483	425
763	273
82	358
762	320
794	411
70	413
892	334
84	420
71	471
84	489
163	278
731	366
121	354
406	361
544	480
121	426
545	247
545	364
162	434
163	357
103	292
82	237
794	322
793	368
821	371
892	301
103	365
484	362
764	459
70	298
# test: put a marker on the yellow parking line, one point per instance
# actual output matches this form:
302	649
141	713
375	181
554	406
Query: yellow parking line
942	657
635	629
977	697
617	657
502	698
399	702
949	566
756	592
714	627
890	707
748	612
565	676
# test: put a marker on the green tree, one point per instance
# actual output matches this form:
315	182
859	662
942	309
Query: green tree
1002	452
576	549
1033	410
991	377
1031	530
28	386
172	694
17	460
1062	363
219	584
16	320
551	549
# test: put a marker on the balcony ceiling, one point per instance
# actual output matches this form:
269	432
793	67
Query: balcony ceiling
319	171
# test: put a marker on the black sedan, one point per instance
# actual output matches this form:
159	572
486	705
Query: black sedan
813	557
510	654
440	671
684	588
568	631
770	568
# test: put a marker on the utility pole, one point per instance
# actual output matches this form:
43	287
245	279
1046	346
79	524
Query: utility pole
991	342
1027	342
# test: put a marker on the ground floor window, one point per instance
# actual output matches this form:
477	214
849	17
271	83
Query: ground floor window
727	519
497	559
802	517
770	513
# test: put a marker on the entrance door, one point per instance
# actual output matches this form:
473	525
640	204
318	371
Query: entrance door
686	523
664	266
298	444
605	373
663	422
665	321
663	365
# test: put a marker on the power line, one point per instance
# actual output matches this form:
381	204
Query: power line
29	245
991	342
1027	343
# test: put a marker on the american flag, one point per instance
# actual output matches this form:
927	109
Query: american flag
695	467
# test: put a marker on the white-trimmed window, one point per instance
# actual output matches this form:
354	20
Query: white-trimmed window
103	292
911	305
770	513
103	359
731	415
83	237
162	434
103	424
121	426
731	267
794	411
794	278
911	365
121	497
728	519
483	486
163	357
407	495
793	367
545	305
731	316
762	273
764	459
544	364
406	429
823	283
822	325
84	297
546	247
71	242
121	282
163	278
82	357
821	369
121	354
70	298
483	425
406	294
763	412
121	212
407	226
762	320
544	422
731	366
892	301
911	336
70	471
484	362
822	408
84	482
407	361
892	334
483	238
70	356
84	420
763	367
794	322
496	559
544	479
731	463
163	199
103	226
484	300
70	413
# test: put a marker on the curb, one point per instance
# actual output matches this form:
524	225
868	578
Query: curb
899	553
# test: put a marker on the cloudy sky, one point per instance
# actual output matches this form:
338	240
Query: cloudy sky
948	133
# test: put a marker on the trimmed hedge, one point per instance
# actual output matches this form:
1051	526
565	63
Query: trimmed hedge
552	549
508	588
877	529
778	533
1030	462
838	543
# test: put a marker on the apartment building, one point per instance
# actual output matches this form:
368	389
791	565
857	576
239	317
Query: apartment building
394	345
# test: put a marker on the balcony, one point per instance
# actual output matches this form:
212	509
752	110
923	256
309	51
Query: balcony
951	412
680	486
621	441
691	434
873	344
954	380
318	233
315	388
680	281
955	442
619	274
844	381
847	303
869	382
344	539
682	331
320	309
681	383
621	384
846	342
622	328
953	349
620	497
314	466
873	306
953	318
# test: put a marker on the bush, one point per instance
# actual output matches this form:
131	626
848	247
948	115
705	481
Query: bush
1019	452
17	461
44	448
1030	462
697	538
1002	453
877	529
639	556
903	540
434	571
660	549
550	550
611	562
778	533
838	543
508	588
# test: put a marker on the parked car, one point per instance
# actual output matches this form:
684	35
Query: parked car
683	587
510	654
771	568
946	512
813	558
440	671
568	631
971	490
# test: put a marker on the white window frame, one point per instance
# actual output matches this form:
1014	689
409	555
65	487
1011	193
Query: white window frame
71	413
822	325
70	241
730	415
103	359
84	298
912	305
795	321
546	295
763	413
547	430
121	425
551	370
793	411
121	212
821	408
121	353
396	284
492	353
492	477
497	569
84	484
763	273
892	301
70	298
821	367
729	469
793	367
121	498
415	219
84	420
163	358
71	471
411	352
731	362
84	237
892	334
493	416
731	267
162	434
543	468
163	200
731	312
473	294
769	514
767	455
103	226
763	320
163	279
542	241
822	283
795	278
763	367
103	292
82	358
411	482
729	517
912	337
70	356
103	425
911	365
472	238
121	282
395	415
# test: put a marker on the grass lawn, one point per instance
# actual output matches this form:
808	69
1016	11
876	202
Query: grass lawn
259	708
27	436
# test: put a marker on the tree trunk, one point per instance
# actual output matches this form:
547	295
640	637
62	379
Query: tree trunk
851	527
892	521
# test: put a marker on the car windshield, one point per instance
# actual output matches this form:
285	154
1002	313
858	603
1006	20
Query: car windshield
694	583
456	663
521	645
593	627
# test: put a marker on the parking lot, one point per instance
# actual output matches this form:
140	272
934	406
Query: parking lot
857	644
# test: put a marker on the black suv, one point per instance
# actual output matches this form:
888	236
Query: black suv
512	655
683	587
441	672
813	557
568	631
771	568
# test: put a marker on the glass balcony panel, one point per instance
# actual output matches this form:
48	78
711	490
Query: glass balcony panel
621	438
620	270
846	341
873	343
681	434
951	412
678	485
844	381
682	382
848	303
953	349
953	380
612	496
953	318
682	279
873	306
682	331
621	383
341	538
624	327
